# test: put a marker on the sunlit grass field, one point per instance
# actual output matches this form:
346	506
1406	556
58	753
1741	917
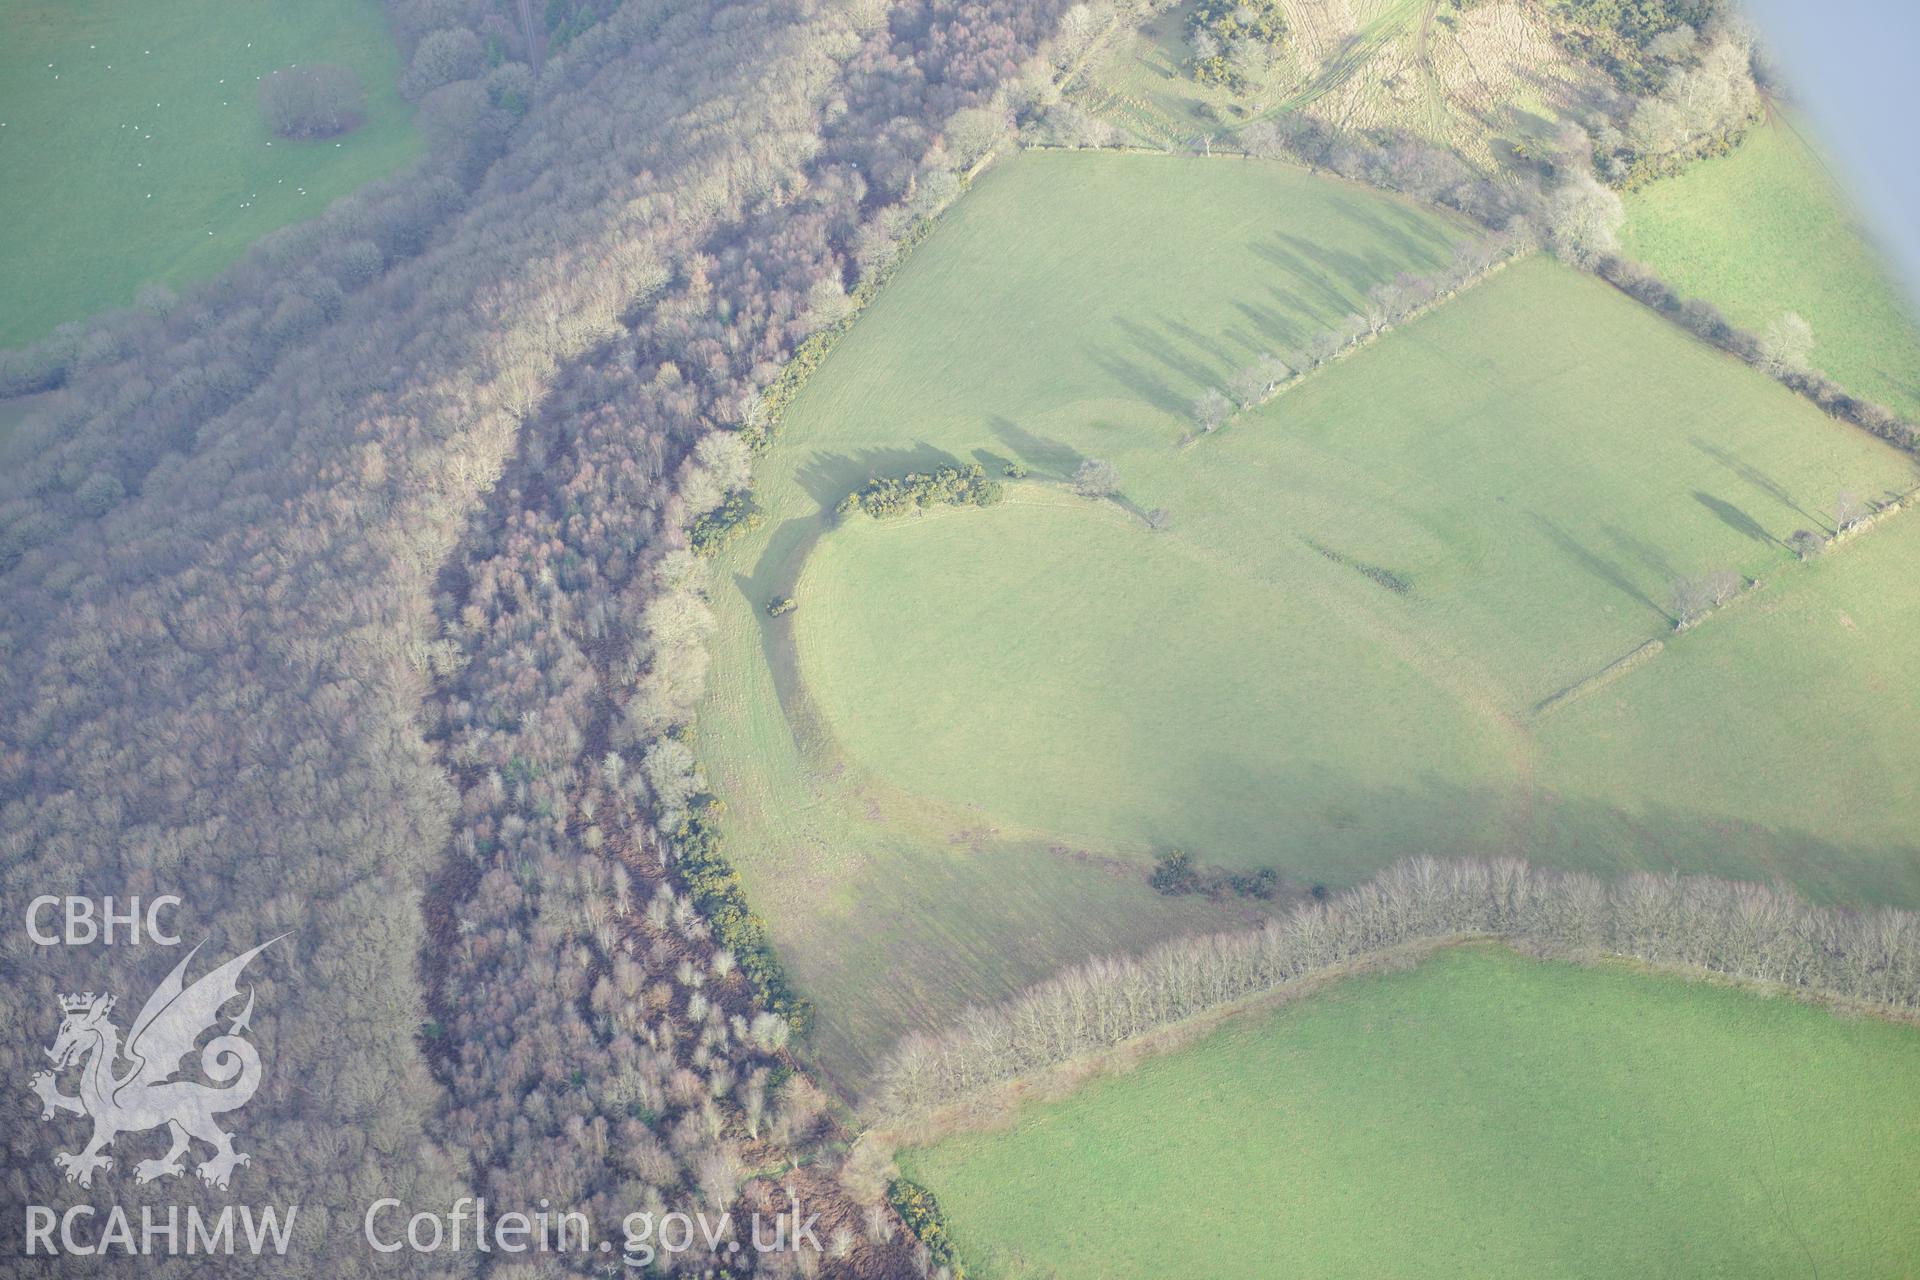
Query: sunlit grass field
1069	306
947	772
1483	1115
133	150
1767	230
1773	742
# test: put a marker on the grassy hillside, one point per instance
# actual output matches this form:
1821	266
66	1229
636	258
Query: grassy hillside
134	148
1070	306
978	717
1466	76
1766	230
1484	1115
1770	742
1536	462
1072	672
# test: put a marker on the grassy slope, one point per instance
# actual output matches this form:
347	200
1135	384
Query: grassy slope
1033	326
1540	458
1484	1115
1143	87
1461	78
1073	672
117	177
1765	230
1779	731
976	717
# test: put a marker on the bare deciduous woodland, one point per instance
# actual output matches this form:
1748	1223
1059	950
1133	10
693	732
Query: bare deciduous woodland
354	584
362	595
1691	923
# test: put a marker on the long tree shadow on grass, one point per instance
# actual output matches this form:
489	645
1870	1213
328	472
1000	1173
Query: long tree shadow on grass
1735	519
1595	564
1419	240
1751	474
1767	485
925	931
829	477
1652	558
1328	300
1137	378
1273	326
1359	272
1210	349
1052	458
1195	371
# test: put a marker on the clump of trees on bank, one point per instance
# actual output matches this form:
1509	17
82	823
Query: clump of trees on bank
1691	923
1700	100
314	100
886	497
1233	41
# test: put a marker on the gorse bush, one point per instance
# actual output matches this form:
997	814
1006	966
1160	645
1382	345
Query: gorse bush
886	497
921	1212
1233	39
1175	874
721	527
715	889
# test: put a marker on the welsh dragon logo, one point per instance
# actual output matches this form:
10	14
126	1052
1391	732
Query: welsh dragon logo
144	1095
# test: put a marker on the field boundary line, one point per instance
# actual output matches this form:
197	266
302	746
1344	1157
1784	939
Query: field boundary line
1632	279
1866	524
994	1108
1363	341
1653	648
1600	679
997	1107
1736	932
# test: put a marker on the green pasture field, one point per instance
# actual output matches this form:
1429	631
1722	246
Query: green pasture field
1540	458
1772	742
1483	1115
947	771
1069	306
134	151
1055	665
1766	230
